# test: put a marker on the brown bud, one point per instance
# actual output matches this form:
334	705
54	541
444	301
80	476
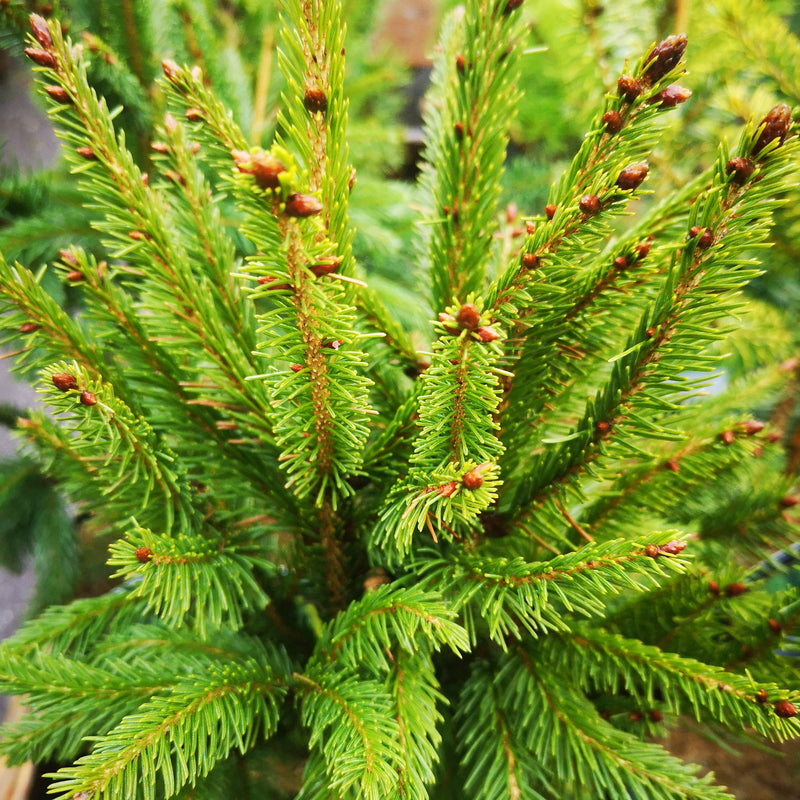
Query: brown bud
727	437
263	166
628	87
296	367
550	211
650	333
713	587
64	381
171	69
589	204
315	101
375	579
664	57
635	716
175	177
458	130
29	327
673	96
530	261
602	427
784	709
88	398
332	344
613	122
487	334
651	551
673	465
789	501
511	213
774	126
139	236
512	5
445	318
58	93
194	147
673	548
530	227
143	554
468	316
740	169
461	63
774	625
68	258
74	276
735	589
643	250
352	180
325	266
448	489
656	715
41	30
302	205
761	696
270	282
752	426
86	152
773	437
620	262
145	179
632	177
41	57
473	479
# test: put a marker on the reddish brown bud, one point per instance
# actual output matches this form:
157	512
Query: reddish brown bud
41	57
740	169
315	101
145	179
195	148
727	437
487	334
333	344
628	87
673	548
761	696
88	398
194	114
468	316
713	587
447	489
29	327
171	69
613	122
512	212
656	715
705	239
642	250
784	709
664	57
620	262
589	204
65	381
143	554
352	180
302	205
530	261
296	367
735	589
68	258
789	501
512	5
139	236
774	126
635	716
752	426
58	93
269	280
650	333
86	152
41	30
175	177
325	267
673	465
550	211
473	479
774	625
530	227
651	551
673	96
461	63
264	167
602	427
773	437
632	177
74	276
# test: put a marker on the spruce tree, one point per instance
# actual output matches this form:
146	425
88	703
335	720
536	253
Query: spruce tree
350	568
